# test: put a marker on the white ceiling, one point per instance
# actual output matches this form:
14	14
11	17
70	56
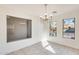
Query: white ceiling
38	9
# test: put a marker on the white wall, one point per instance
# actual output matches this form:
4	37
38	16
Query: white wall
12	46
64	41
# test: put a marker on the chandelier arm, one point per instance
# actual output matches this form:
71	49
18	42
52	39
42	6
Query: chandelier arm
45	17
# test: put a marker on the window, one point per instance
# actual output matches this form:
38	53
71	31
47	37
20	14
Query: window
69	28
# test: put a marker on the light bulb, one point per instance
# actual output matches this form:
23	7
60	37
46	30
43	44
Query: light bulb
45	14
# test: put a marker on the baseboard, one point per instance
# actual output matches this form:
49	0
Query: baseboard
63	45
20	48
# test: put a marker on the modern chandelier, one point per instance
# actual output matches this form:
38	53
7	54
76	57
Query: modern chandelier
45	17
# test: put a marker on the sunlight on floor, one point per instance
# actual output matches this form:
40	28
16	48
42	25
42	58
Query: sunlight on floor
47	46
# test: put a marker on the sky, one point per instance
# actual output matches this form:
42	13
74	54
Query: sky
69	21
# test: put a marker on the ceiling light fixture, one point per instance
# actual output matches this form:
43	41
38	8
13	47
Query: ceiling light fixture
45	17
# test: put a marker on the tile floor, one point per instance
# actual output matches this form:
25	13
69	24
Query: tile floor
46	48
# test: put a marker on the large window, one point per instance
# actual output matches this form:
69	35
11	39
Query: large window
69	28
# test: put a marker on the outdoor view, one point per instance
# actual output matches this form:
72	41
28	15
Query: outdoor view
52	29
69	28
